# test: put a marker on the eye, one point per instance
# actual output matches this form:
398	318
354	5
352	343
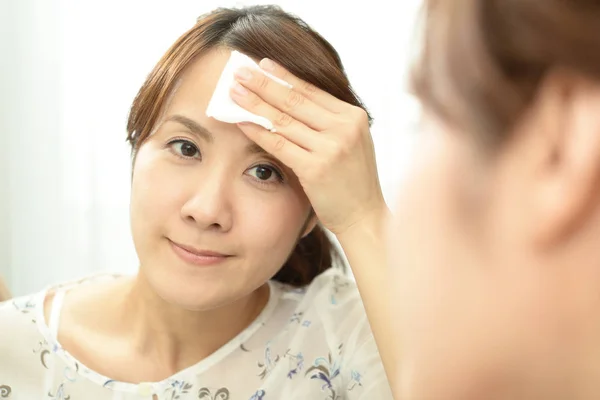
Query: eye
266	174
185	148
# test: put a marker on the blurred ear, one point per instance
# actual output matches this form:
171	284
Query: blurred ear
566	119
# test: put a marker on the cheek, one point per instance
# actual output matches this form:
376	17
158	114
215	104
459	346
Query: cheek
270	223
156	191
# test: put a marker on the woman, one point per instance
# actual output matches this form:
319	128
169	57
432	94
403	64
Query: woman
496	249
235	297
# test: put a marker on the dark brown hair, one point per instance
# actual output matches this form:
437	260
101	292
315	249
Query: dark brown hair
484	60
259	32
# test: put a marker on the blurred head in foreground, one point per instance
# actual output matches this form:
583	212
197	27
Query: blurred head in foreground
496	239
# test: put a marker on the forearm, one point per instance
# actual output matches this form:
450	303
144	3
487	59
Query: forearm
365	247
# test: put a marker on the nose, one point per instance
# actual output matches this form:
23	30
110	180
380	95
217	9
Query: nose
209	205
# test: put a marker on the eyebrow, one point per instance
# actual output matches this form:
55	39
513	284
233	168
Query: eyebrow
253	148
204	133
193	126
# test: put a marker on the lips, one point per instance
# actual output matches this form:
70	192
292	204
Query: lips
200	253
198	257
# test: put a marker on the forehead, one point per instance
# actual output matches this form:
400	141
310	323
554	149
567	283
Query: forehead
189	98
198	81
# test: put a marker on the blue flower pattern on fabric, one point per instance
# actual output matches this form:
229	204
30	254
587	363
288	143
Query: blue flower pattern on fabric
269	362
338	285
60	393
259	395
355	378
326	370
179	388
297	362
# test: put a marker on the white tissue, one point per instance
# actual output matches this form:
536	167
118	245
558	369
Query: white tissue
222	107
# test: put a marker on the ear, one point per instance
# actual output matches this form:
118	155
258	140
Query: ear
568	116
310	224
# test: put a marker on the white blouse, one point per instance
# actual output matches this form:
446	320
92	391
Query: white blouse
311	343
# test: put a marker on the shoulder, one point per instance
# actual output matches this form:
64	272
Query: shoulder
335	296
333	302
23	319
19	320
335	290
330	311
19	311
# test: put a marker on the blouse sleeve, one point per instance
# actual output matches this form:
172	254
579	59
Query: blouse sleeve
360	367
363	370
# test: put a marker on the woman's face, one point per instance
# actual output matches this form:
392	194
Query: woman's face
201	187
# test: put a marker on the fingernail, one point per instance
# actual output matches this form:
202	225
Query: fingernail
239	89
267	64
243	74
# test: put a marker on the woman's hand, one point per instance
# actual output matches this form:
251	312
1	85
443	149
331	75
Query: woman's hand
325	141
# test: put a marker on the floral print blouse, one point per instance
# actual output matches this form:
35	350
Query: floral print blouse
311	343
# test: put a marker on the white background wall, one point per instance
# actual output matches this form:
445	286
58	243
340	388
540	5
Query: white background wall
69	71
5	28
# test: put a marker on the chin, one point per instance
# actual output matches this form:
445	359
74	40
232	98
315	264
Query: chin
192	297
190	291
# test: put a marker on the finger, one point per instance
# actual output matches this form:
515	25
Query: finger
288	100
275	144
308	90
288	127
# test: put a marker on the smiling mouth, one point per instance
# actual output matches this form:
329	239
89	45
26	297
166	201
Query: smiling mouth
200	257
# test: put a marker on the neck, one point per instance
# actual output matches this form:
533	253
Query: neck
570	318
176	338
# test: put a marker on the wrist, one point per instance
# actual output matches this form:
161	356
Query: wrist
372	224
